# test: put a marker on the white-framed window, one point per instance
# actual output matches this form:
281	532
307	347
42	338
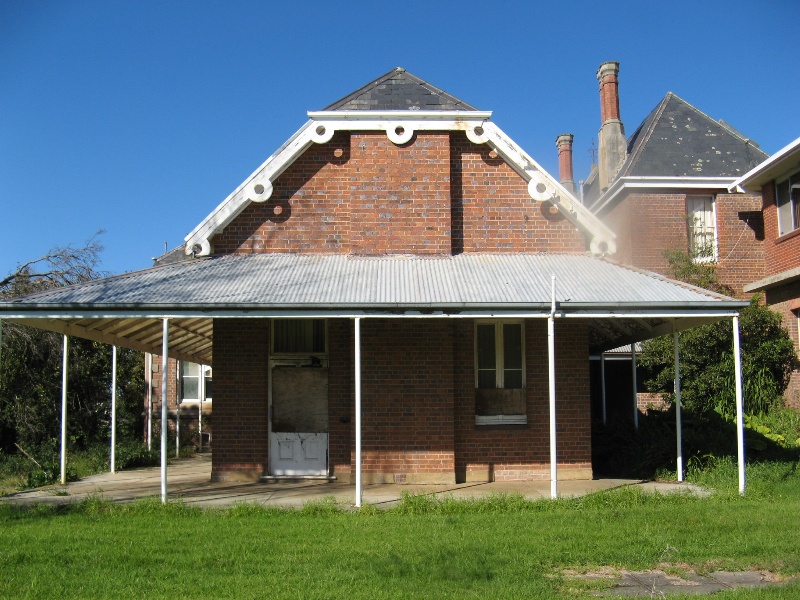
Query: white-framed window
702	220
787	198
195	382
500	372
299	336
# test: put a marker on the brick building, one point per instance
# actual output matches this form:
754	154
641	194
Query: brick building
778	181
400	293
665	188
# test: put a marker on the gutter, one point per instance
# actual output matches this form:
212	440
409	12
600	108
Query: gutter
623	184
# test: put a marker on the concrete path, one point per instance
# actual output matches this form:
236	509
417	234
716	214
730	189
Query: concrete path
658	584
190	481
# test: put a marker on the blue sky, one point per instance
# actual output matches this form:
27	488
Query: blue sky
139	117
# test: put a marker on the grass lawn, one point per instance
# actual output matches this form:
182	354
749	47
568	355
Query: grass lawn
498	547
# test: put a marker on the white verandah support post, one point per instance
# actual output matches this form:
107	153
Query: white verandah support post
164	353
737	367
678	424
178	412
635	394
551	371
603	384
148	376
113	406
201	386
357	335
64	379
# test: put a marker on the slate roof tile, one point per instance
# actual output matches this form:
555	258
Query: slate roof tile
399	90
678	140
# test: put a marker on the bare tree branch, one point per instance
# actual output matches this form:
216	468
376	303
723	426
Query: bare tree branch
62	265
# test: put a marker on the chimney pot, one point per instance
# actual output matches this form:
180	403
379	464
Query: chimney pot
564	145
609	92
612	146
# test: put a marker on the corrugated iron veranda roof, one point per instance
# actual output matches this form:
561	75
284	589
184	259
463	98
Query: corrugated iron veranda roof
127	309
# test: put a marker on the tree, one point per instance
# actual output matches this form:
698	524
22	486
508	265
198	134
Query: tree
706	353
30	366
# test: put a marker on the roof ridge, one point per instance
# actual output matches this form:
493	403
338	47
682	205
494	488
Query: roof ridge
658	112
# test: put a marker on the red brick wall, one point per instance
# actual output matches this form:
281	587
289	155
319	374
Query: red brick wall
341	398
407	400
785	300
523	451
496	212
782	252
359	194
648	224
362	194
740	240
240	399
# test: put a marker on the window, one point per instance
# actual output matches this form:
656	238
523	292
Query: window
195	382
500	373
702	228
787	197
298	336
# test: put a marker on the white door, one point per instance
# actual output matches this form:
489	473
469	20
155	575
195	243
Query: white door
299	425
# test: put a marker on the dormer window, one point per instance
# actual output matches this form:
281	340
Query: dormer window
787	197
702	223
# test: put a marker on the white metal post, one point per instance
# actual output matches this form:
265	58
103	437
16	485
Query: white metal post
201	391
737	367
603	383
551	371
113	406
64	378
164	353
148	376
635	394
177	413
358	407
678	424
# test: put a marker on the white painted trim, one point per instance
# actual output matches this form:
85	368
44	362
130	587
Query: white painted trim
626	184
400	115
515	312
765	171
323	125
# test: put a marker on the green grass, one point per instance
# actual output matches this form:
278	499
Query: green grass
500	546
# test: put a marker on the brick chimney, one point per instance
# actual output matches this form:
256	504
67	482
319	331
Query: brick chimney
612	149
564	145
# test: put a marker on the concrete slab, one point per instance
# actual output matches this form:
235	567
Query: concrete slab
190	481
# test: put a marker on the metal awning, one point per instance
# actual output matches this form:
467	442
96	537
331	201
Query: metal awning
624	304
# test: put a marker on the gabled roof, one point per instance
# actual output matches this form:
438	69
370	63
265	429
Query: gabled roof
400	126
678	140
399	90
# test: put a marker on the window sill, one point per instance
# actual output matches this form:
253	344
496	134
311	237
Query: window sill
787	236
501	420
